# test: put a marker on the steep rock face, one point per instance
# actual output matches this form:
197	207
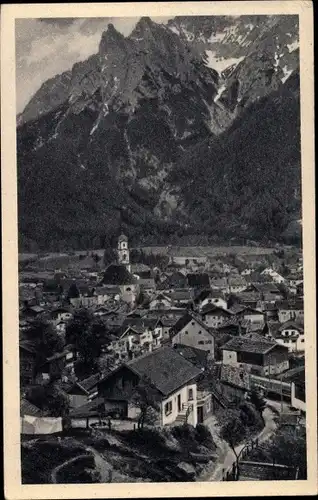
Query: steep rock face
141	135
253	54
247	180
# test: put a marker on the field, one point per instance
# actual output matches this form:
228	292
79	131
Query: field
174	251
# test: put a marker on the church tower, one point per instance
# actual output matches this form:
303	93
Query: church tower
123	251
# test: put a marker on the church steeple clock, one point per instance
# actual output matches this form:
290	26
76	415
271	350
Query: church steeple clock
123	251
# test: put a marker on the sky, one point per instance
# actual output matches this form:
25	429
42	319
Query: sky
47	47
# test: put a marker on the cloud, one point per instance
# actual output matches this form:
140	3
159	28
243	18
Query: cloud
46	47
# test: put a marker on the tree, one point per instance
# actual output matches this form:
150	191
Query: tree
86	333
233	431
47	341
258	401
110	256
145	398
50	399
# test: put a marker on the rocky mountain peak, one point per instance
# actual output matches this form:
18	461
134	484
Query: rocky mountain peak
111	38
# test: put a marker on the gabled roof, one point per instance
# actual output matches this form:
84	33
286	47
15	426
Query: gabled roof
185	320
27	408
211	308
292	305
252	345
167	370
198	280
296	325
197	357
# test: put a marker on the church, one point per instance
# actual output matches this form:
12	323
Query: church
123	252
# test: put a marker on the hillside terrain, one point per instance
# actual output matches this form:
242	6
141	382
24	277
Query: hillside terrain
152	136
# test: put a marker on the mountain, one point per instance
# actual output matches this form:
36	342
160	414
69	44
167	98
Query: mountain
118	140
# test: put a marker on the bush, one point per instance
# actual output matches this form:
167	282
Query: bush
204	436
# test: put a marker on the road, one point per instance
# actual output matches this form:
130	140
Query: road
226	457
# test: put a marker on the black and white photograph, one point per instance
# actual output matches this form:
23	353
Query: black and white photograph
161	305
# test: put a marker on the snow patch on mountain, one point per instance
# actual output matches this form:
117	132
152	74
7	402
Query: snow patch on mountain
287	72
293	46
220	64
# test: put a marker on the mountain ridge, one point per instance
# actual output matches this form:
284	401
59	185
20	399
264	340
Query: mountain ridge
112	149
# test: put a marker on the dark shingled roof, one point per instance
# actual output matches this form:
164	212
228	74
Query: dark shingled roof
184	320
293	305
198	280
27	408
197	357
167	370
253	345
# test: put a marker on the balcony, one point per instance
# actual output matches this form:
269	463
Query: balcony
202	396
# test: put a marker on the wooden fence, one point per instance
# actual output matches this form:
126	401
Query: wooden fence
260	470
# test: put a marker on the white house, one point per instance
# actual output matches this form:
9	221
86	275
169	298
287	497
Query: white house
291	335
173	386
276	277
191	331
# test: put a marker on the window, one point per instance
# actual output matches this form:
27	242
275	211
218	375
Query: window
199	332
293	341
168	408
208	341
186	332
190	395
201	342
192	323
208	351
286	341
302	340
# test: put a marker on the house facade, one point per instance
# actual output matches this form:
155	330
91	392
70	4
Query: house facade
257	356
173	386
214	316
191	331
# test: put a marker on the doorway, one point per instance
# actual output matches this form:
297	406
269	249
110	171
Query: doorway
200	414
179	402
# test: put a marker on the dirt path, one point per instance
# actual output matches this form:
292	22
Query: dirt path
102	466
57	469
226	456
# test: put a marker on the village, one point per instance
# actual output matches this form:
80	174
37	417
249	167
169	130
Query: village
194	361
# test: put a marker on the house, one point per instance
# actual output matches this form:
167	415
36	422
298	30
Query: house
207	297
248	313
182	297
148	285
160	301
172	379
191	331
198	280
28	358
235	383
175	280
276	277
236	284
256	354
139	335
55	365
268	292
292	309
33	312
289	334
234	325
213	316
61	314
83	391
198	357
141	271
296	376
269	309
